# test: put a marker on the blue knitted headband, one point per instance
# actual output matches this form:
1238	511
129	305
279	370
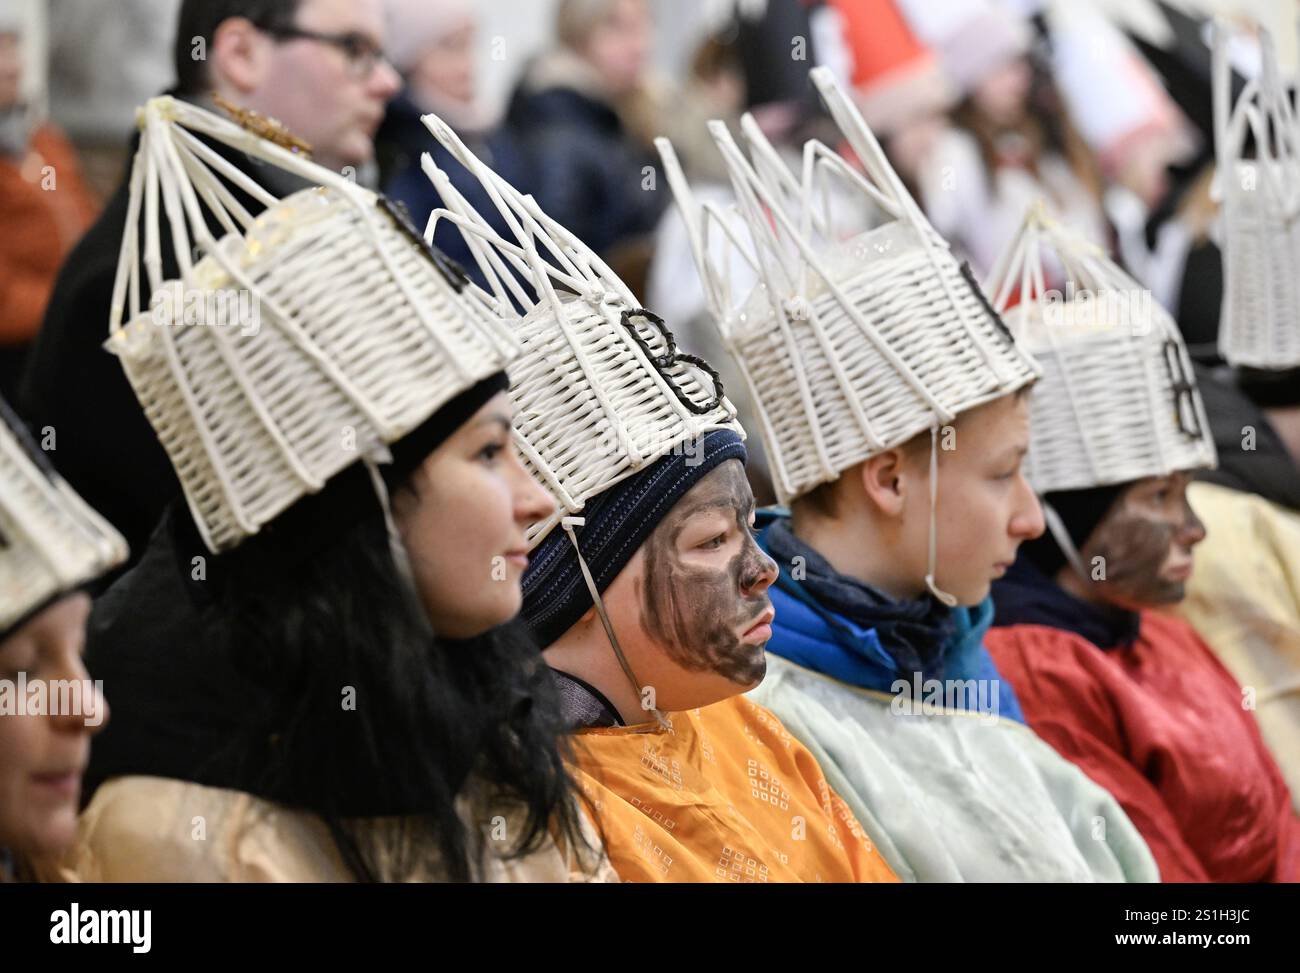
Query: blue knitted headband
617	522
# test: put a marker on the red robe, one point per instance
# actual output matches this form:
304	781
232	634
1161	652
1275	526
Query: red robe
1160	724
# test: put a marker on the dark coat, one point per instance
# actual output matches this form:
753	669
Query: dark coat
587	170
399	144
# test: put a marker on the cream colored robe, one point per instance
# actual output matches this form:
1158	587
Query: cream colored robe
1243	599
154	829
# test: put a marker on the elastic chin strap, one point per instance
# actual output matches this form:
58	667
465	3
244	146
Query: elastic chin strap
1063	539
401	559
935	590
568	523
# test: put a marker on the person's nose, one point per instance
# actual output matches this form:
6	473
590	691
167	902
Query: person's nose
385	82
532	502
760	573
92	712
1192	531
1028	522
95	708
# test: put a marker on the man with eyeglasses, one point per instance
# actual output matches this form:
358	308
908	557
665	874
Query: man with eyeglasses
317	66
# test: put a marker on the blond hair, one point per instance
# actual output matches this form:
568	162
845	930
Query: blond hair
574	20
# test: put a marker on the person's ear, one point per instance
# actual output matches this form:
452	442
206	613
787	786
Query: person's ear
884	480
239	56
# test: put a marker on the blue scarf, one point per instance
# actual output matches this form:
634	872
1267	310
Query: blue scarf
839	626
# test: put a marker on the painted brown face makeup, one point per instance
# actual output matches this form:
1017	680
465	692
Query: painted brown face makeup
698	613
1136	542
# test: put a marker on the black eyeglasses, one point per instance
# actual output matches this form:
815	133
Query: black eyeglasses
363	54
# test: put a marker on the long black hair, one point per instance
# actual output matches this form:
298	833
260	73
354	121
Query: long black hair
364	712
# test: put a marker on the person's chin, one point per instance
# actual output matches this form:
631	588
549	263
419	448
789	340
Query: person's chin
1171	593
759	672
970	595
511	605
357	151
751	673
54	834
485	617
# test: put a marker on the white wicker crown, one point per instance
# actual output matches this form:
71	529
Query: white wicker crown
1260	319
1118	399
302	341
850	346
600	390
50	540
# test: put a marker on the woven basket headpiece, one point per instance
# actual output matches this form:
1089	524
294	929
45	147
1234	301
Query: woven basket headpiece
600	390
51	542
849	346
1260	319
302	341
1118	400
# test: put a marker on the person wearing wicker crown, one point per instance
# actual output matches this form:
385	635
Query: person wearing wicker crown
890	543
646	588
1129	693
315	65
319	674
51	547
1244	597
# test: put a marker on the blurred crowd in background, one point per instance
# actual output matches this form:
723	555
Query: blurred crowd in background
1101	109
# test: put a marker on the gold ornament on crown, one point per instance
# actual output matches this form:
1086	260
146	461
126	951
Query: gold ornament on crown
263	126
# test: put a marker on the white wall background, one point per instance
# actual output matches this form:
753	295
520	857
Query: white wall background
32	14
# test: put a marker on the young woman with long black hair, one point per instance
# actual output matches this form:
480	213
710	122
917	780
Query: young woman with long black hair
318	671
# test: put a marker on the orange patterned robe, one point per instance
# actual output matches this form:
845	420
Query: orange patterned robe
725	795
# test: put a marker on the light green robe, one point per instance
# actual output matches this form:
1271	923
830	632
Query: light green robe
952	796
